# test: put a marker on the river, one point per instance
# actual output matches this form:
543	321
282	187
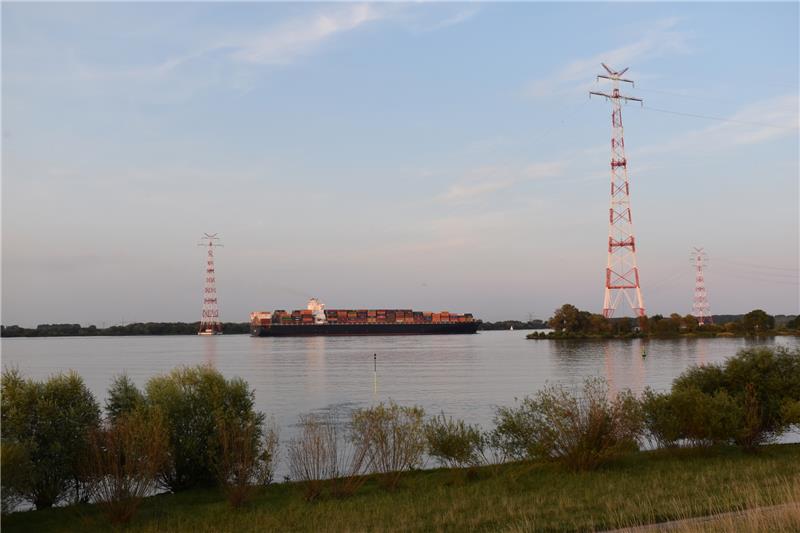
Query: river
460	375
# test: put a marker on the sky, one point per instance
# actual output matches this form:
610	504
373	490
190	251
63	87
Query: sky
434	156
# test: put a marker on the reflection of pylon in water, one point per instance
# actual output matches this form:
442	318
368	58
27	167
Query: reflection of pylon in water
210	350
622	271
700	308
702	352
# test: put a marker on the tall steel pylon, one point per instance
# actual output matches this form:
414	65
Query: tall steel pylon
700	308
209	323
622	272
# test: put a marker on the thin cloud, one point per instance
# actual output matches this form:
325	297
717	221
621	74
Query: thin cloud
460	192
486	180
755	123
455	19
284	43
663	39
281	44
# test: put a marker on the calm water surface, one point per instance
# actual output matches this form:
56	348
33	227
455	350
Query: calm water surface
461	375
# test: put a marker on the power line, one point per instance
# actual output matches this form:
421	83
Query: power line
681	95
776	275
720	119
754	265
760	280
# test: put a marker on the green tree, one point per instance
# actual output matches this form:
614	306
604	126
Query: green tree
123	397
689	323
763	382
194	400
757	321
665	327
48	423
599	325
570	319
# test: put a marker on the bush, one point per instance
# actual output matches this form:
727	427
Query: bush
193	401
453	443
393	437
580	432
245	461
123	397
323	450
352	461
763	383
124	461
46	424
312	454
688	416
15	475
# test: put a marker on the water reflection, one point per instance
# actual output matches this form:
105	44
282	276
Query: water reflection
701	349
209	349
463	375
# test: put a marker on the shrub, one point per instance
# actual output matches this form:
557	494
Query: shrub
123	397
48	424
688	416
124	460
580	432
312	455
245	461
763	383
193	401
393	437
454	443
15	466
351	458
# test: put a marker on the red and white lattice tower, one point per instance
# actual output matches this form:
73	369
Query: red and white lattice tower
210	324
622	272
700	308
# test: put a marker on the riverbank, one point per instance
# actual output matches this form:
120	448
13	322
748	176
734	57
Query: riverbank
125	330
189	328
628	336
644	488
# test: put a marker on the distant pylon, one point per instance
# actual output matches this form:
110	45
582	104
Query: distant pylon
622	272
209	323
700	308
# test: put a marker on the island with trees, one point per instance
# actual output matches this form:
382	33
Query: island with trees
569	322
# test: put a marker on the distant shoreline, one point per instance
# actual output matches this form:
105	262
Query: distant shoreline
722	335
138	329
127	330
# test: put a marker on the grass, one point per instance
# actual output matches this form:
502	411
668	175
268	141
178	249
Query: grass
645	488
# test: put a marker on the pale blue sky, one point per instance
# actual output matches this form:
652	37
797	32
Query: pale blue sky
426	156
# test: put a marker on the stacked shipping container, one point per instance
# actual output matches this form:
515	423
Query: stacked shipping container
360	316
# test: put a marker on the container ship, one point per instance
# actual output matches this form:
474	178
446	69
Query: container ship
316	320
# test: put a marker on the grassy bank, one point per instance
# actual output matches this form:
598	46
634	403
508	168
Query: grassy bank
643	488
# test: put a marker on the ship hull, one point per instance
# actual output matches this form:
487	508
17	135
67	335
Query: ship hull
307	330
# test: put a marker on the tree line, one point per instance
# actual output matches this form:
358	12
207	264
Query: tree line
135	328
570	322
516	324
